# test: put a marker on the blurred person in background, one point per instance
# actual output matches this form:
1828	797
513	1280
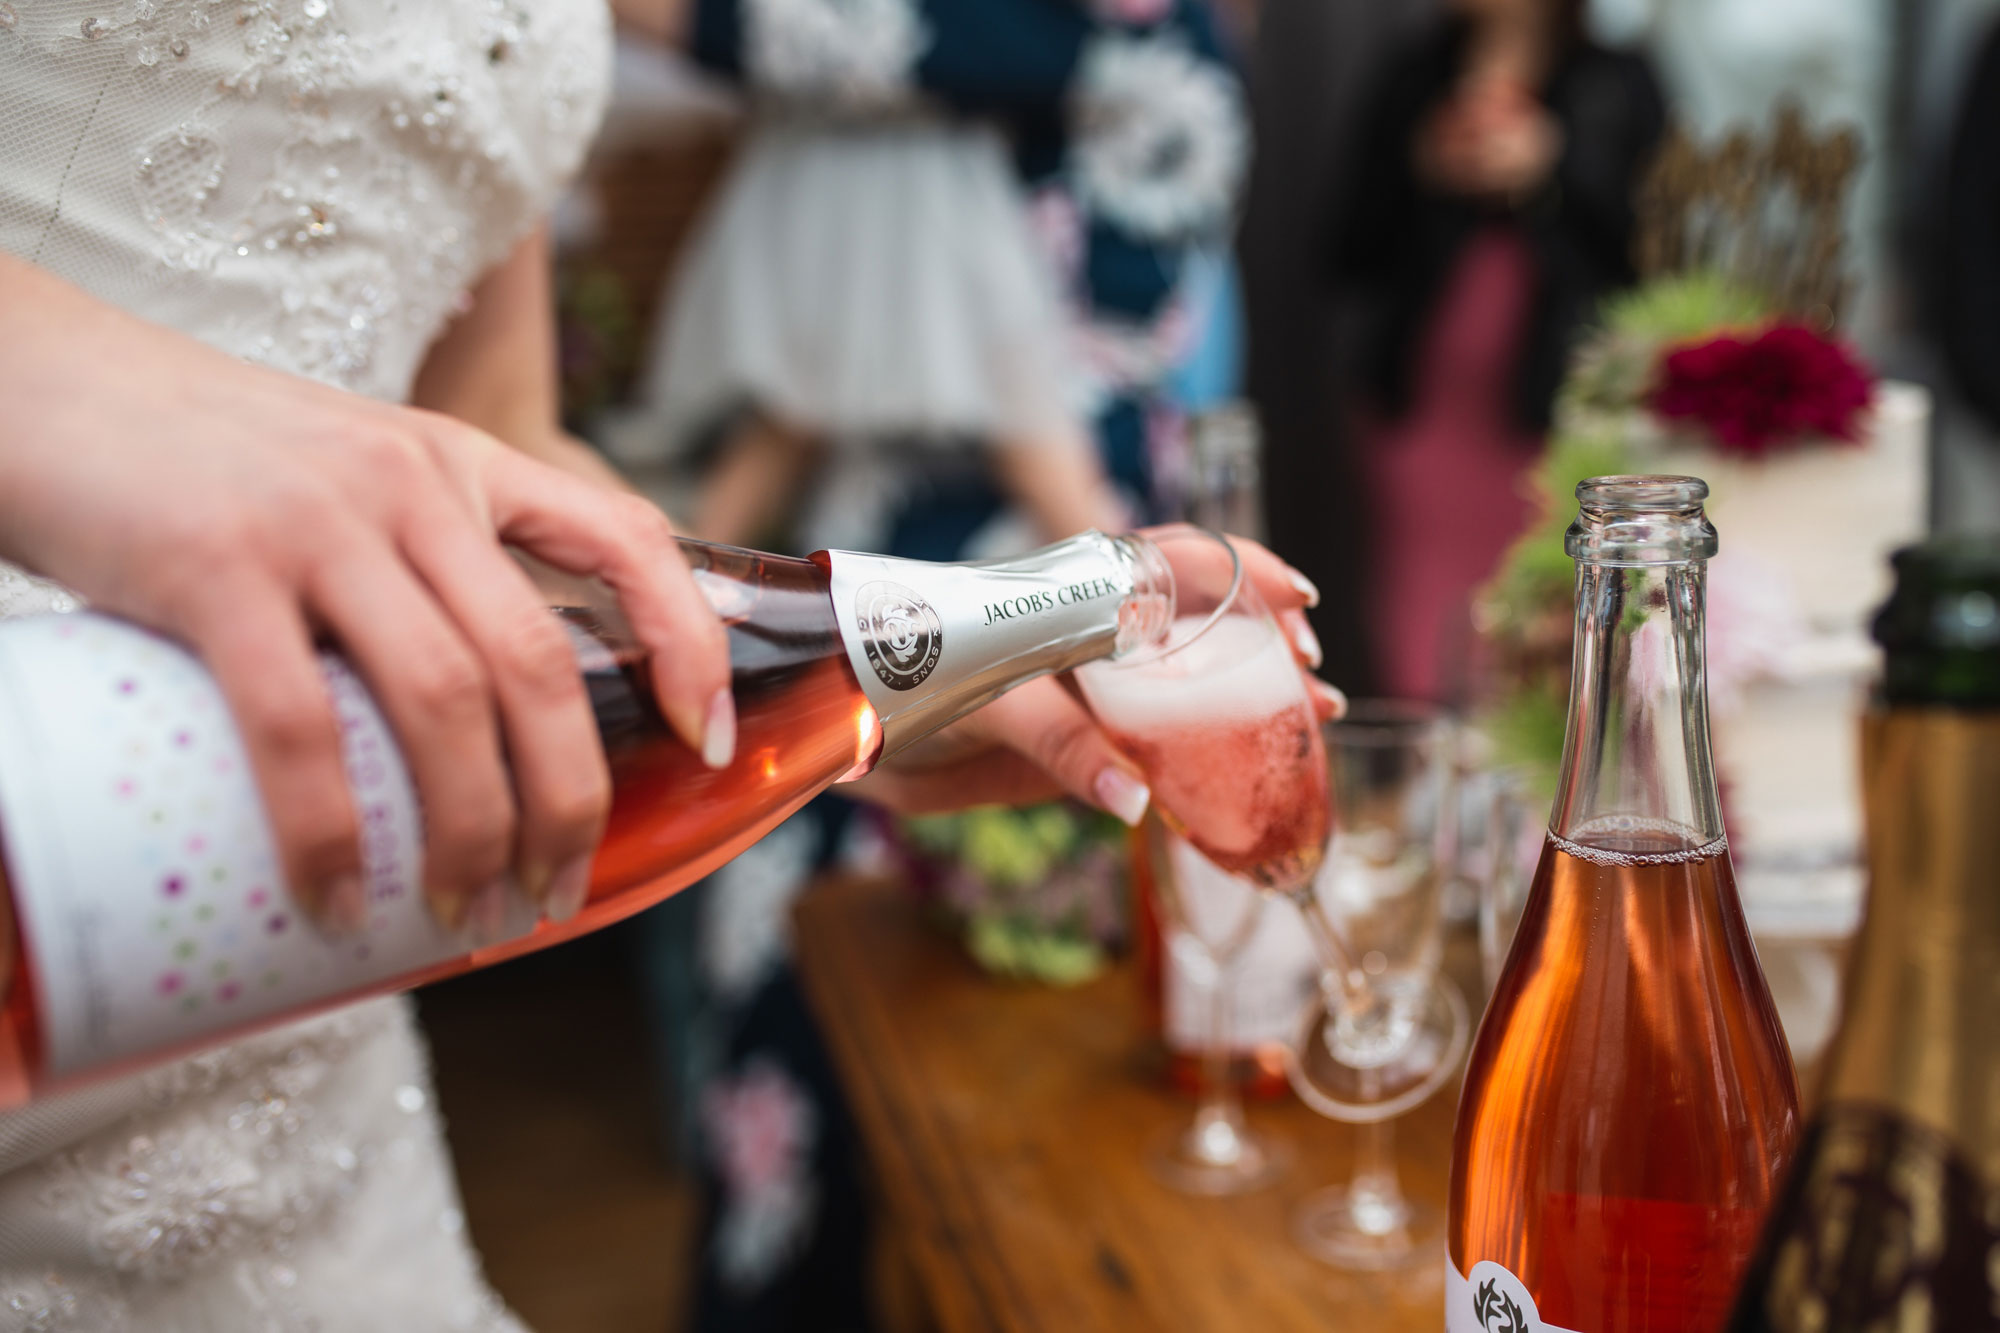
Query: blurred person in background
862	266
867	279
1489	206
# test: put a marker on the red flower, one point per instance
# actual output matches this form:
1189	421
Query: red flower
1753	395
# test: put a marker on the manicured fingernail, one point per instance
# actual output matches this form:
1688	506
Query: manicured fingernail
1333	696
718	733
1305	587
486	917
1122	794
344	908
568	890
1305	640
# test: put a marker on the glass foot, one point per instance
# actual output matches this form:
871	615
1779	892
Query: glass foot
1351	1228
1216	1158
1375	1072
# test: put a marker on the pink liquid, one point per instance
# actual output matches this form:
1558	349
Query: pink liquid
1630	1105
1226	736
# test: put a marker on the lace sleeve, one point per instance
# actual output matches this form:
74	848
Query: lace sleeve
24	594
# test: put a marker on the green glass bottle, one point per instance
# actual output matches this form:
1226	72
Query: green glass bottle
1890	1220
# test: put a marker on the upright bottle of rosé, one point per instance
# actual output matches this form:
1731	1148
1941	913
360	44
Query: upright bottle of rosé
142	908
1630	1103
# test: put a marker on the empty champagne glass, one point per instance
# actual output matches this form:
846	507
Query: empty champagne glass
1209	916
1382	888
1219	718
1510	836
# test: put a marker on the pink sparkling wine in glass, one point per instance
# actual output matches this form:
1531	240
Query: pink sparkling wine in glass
1223	728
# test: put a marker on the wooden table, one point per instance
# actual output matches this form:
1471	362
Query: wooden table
1006	1125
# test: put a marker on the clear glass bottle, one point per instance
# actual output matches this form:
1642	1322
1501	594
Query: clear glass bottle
148	911
1630	1100
1891	1218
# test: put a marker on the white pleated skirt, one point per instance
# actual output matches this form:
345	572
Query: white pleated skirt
866	282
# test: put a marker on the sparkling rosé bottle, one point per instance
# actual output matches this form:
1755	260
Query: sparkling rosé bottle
148	912
1630	1102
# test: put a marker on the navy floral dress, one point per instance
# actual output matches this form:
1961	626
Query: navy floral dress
1127	128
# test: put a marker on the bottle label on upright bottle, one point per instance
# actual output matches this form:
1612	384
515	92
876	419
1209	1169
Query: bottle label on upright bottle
1490	1300
150	903
929	642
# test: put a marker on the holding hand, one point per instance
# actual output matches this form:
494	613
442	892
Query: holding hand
1492	139
1039	741
250	513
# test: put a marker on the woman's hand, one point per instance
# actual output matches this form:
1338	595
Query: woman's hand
249	513
1039	741
1492	139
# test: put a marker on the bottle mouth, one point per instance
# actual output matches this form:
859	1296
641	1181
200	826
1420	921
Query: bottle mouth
1641	520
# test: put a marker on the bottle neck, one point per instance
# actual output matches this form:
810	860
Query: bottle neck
931	642
1637	773
1919	1035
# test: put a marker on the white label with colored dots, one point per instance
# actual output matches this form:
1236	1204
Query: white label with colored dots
144	874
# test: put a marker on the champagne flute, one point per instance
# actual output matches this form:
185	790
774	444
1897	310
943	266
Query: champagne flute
1210	916
1383	885
1219	718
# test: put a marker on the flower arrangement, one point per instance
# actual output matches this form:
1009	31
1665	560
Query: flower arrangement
1754	394
1038	893
1689	356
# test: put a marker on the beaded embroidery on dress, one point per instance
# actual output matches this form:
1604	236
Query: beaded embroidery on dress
314	185
307	183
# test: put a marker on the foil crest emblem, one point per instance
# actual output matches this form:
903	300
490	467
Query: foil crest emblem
900	632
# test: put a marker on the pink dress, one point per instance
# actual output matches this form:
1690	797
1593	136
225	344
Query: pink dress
1447	482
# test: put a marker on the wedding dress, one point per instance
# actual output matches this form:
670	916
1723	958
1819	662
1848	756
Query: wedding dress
312	185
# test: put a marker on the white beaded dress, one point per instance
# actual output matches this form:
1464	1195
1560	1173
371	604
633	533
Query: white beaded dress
313	185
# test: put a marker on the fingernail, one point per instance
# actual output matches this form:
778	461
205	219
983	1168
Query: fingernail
718	734
1306	588
1333	696
1122	794
568	890
344	908
486	918
1305	640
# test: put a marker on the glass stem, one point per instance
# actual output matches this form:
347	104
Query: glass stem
1347	992
1376	1195
1218	1117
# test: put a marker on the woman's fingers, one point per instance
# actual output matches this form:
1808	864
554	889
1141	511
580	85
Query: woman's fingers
627	542
560	776
250	633
1046	724
438	695
1282	587
1304	643
987	777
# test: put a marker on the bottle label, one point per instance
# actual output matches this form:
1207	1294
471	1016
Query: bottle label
144	876
1271	977
931	642
1490	1300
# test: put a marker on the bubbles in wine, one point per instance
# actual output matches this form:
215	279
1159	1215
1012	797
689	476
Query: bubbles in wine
1224	731
1623	841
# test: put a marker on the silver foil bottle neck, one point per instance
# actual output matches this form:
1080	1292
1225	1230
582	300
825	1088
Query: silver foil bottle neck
1638	521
